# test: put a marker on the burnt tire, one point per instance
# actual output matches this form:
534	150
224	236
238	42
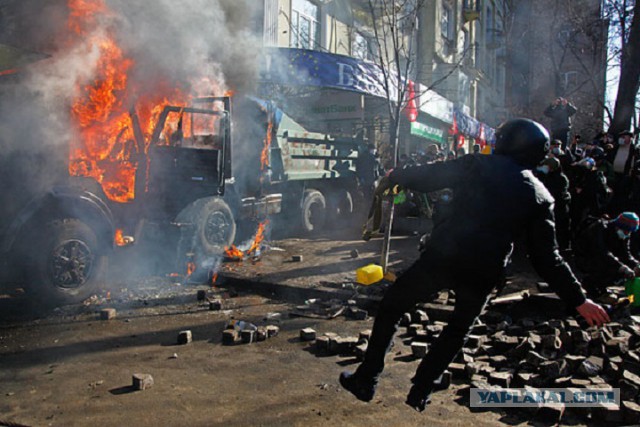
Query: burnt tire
314	211
215	227
67	265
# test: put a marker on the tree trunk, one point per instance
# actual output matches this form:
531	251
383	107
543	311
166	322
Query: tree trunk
629	78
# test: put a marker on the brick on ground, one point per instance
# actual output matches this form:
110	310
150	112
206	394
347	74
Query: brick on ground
107	314
142	381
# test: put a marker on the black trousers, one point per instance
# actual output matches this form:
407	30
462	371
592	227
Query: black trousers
425	277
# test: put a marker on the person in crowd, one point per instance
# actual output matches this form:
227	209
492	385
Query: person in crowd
367	170
550	173
623	157
602	164
565	156
496	198
476	148
602	251
590	194
560	112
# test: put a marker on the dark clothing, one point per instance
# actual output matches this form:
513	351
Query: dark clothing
558	185
600	253
368	171
560	121
623	183
590	194
495	201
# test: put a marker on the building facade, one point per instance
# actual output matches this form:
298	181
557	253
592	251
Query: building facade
557	48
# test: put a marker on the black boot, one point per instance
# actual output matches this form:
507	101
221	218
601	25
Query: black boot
362	388
418	398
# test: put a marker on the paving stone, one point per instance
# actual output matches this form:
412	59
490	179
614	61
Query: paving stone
588	368
419	349
229	336
297	258
248	336
457	370
550	414
107	314
486	370
479	381
307	334
438	312
444	382
579	383
406	320
572	324
502	379
527	323
628	389
522	379
551	342
272	331
141	381
322	343
474	368
562	382
574	361
413	328
423	336
498	361
608	415
503	342
215	305
493	317
553	369
535	339
522	349
184	337
479	329
360	350
420	316
346	344
357	313
201	295
261	333
476	340
631	412
535	359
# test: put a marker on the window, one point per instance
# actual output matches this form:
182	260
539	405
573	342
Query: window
446	23
362	46
569	80
304	24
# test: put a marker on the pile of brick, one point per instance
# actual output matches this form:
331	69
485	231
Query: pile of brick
332	344
556	353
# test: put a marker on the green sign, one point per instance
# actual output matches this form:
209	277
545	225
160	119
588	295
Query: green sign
429	132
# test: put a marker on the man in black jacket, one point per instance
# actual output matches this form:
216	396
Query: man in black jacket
560	112
496	198
551	175
603	251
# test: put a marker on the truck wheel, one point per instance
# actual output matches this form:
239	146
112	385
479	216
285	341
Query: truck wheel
340	204
314	211
68	267
215	227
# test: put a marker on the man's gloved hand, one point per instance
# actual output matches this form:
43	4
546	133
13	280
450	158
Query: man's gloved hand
593	313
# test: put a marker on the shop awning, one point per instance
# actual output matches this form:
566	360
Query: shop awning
301	67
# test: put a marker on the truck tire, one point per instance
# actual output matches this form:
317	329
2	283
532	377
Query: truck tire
340	205
215	227
68	265
314	211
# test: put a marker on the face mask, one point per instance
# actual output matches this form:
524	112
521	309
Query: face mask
445	198
621	234
543	169
621	141
372	152
556	151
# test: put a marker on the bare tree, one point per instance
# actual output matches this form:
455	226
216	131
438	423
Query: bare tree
629	83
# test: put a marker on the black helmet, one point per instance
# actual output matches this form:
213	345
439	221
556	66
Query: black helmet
524	140
597	153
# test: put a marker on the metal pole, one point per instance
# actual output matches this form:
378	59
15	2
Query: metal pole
386	242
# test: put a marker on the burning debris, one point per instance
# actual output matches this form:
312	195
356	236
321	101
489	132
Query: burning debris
233	253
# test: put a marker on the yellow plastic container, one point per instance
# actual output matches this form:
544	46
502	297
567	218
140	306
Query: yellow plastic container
369	274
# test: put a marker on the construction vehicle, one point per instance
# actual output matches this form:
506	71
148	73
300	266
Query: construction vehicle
188	188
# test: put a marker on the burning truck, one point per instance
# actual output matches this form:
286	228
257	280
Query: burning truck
147	155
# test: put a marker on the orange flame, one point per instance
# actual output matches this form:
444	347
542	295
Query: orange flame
259	238
264	156
191	267
214	279
119	238
105	142
232	252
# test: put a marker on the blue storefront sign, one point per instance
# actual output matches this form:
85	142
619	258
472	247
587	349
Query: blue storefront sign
288	66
